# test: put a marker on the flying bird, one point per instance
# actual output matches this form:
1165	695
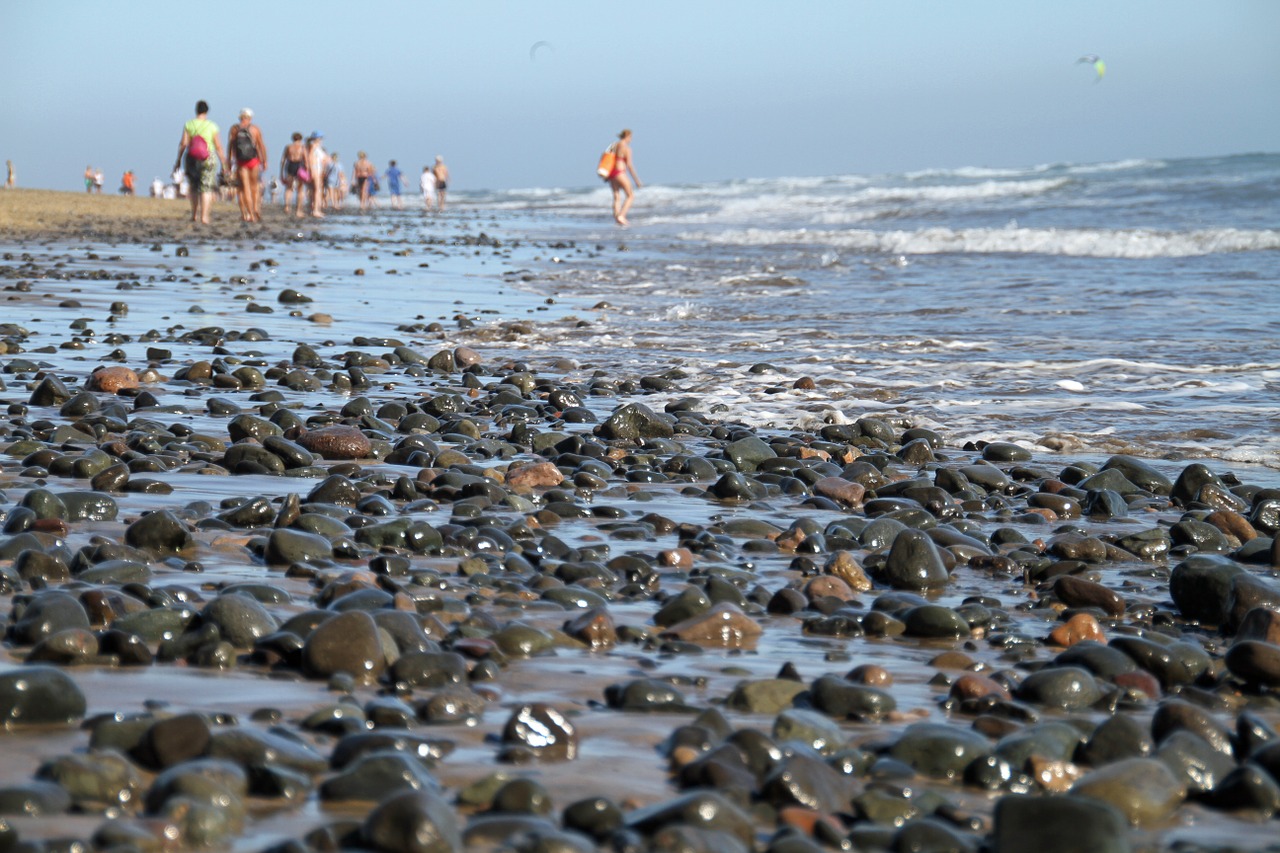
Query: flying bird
1099	66
533	51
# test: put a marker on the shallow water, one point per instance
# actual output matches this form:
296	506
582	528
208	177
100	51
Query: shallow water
875	348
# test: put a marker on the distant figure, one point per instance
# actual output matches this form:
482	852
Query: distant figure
98	181
427	183
199	142
364	173
10	181
393	176
275	185
619	182
249	150
126	183
157	188
292	162
332	180
441	172
317	163
88	179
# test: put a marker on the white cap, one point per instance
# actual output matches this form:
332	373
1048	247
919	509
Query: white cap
246	112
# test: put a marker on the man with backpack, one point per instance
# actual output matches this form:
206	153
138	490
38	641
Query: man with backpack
249	151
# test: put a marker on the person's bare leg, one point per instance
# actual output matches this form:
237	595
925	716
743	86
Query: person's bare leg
206	205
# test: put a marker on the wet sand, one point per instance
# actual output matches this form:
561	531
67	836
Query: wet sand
599	573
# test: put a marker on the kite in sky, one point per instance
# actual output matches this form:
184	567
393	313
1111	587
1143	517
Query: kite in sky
1098	65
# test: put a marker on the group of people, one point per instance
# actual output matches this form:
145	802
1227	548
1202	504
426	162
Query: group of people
305	169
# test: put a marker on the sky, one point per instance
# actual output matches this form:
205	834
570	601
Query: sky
713	89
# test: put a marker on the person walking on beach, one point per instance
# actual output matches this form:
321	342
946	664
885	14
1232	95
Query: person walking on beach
441	172
317	163
126	183
332	178
292	164
623	192
88	179
364	173
249	150
427	183
393	176
11	180
98	181
199	142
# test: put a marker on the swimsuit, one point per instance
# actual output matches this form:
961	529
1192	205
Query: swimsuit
252	164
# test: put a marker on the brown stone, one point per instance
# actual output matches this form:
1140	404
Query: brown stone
844	492
722	625
872	674
1077	629
595	627
972	685
1078	592
1053	775
1140	680
1260	623
844	566
112	379
1233	524
676	558
338	441
526	478
829	585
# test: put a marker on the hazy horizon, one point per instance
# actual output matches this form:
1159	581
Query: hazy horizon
713	91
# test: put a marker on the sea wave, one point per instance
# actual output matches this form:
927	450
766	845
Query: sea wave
1072	242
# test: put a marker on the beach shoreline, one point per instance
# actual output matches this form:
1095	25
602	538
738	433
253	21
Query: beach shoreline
544	592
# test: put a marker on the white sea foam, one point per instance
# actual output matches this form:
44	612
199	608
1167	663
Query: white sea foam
1072	242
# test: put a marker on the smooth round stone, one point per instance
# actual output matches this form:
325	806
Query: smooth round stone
645	694
1103	661
1005	451
349	642
252	458
1065	687
1173	715
240	619
89	506
47	614
735	486
377	776
809	727
914	563
285	546
764	696
430	669
68	647
158	531
806	780
843	699
1063	824
336	442
1116	738
34	799
1247	788
334	489
1144	790
251	426
934	621
1201	587
1255	661
704	810
939	750
173	740
1078	592
1197	765
39	695
1172	664
251	747
597	817
95	781
721	625
543	729
413	822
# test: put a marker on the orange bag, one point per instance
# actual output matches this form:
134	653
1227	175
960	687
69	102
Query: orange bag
607	161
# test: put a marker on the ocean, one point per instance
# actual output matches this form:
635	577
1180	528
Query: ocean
1088	308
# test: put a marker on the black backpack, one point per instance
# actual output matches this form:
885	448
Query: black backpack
246	150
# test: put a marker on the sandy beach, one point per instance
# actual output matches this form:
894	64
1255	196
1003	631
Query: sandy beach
28	214
322	543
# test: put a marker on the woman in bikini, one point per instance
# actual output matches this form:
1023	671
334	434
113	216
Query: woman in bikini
619	182
291	162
